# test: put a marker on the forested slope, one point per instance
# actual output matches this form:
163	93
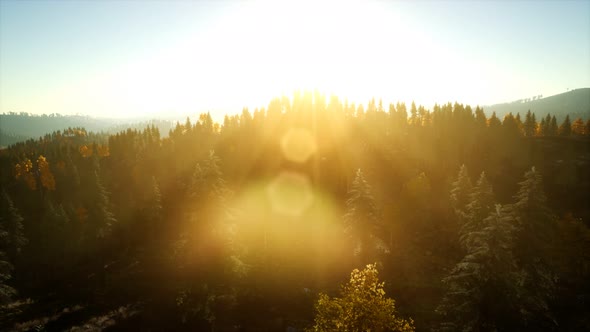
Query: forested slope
474	221
575	103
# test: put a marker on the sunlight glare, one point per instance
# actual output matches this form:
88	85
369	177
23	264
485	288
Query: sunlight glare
298	145
290	194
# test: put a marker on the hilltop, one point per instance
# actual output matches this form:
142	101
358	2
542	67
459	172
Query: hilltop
576	103
18	127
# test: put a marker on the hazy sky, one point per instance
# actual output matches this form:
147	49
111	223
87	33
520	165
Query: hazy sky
128	58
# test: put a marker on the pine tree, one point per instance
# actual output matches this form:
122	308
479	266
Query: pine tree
153	209
461	190
480	119
6	268
101	217
530	124
566	127
12	225
481	204
207	183
482	286
534	235
542	128
553	130
361	218
12	239
155	203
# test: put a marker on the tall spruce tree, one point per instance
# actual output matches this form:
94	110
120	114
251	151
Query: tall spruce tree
362	220
530	124
13	230
536	228
481	288
553	129
481	203
12	239
461	190
101	217
566	127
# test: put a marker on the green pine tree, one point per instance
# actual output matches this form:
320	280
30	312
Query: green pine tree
12	223
536	227
362	220
481	288
461	191
566	127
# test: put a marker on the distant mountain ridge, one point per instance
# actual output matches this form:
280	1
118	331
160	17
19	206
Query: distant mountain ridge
576	103
17	127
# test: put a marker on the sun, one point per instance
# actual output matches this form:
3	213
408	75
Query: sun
267	48
256	51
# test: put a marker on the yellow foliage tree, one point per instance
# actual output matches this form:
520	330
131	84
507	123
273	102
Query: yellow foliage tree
47	179
103	151
23	170
86	151
362	307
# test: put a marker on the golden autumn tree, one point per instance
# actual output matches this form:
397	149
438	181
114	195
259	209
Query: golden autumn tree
47	179
361	307
23	170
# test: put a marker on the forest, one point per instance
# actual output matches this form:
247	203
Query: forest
311	214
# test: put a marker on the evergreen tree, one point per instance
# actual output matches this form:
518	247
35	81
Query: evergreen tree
207	183
461	190
530	124
101	218
11	241
153	209
542	131
12	225
362	220
536	227
553	126
566	127
6	268
481	204
481	288
480	119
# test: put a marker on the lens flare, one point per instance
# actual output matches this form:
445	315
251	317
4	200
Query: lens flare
290	194
298	145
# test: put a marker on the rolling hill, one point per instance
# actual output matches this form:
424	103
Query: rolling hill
576	103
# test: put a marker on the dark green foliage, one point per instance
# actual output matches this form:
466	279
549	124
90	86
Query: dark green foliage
535	237
13	238
6	292
482	287
553	129
565	129
11	241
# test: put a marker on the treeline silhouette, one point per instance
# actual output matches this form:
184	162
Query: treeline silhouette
18	127
475	223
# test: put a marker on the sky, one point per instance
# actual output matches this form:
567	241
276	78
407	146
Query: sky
131	58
